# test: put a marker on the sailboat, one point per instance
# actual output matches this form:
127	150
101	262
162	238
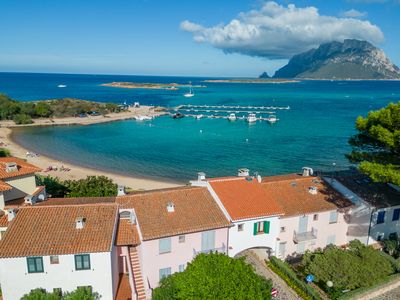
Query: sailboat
191	93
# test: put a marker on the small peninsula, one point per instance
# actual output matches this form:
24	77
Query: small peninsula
137	85
253	80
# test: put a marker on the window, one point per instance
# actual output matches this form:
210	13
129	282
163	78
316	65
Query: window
381	217
393	236
181	239
315	218
82	262
333	217
35	264
164	245
331	240
181	268
301	248
54	260
396	214
380	237
240	227
208	240
283	229
261	227
165	272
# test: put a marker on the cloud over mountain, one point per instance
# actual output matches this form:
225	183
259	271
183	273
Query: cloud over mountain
275	31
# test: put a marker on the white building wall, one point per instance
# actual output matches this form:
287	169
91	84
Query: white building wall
2	201
22	186
245	239
383	230
16	281
325	232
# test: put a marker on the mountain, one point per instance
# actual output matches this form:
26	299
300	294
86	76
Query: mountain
264	75
352	59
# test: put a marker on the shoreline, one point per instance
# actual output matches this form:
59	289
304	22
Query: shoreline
76	172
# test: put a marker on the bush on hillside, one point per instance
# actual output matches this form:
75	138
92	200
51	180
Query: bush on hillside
4	152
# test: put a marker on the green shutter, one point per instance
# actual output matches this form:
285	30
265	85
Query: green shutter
255	229
266	226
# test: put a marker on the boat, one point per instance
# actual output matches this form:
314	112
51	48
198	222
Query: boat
142	118
251	118
232	117
61	86
272	119
198	117
191	93
177	115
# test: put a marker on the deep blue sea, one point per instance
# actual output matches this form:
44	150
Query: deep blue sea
314	132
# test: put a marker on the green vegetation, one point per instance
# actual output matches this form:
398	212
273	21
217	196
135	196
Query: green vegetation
81	293
24	112
285	271
4	152
348	269
376	146
214	276
92	186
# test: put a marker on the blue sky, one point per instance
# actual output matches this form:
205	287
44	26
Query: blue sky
176	37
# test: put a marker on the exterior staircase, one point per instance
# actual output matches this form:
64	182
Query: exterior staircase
137	274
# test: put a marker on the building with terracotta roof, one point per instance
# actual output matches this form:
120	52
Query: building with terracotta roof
253	213
18	184
60	247
313	213
174	225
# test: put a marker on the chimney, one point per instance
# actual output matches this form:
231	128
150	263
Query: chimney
170	207
80	223
259	178
121	190
243	172
11	167
306	172
11	213
29	199
313	190
201	176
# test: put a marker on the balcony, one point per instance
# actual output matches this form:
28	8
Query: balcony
221	249
305	236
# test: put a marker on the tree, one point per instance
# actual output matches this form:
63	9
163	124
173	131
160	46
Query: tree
42	109
376	146
54	186
92	186
4	152
214	276
81	293
22	119
357	266
40	294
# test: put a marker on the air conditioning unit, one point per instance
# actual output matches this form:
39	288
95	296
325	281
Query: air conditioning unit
11	167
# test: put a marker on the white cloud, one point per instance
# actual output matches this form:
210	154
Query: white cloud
275	31
353	13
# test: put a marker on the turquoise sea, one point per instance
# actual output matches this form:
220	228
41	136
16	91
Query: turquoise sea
314	132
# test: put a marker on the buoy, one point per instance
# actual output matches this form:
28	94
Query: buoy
201	131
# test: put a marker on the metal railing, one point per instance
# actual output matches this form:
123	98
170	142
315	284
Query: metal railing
221	249
305	236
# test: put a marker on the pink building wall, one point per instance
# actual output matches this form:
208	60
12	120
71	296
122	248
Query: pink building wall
181	253
325	232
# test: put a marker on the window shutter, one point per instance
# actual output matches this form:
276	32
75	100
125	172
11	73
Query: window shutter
255	229
266	226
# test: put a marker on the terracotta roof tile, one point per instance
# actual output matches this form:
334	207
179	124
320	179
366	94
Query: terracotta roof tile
127	234
24	168
76	201
51	230
4	186
292	193
4	221
245	199
195	210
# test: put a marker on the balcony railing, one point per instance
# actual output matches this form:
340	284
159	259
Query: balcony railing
221	249
305	236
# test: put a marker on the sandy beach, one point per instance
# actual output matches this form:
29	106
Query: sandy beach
78	172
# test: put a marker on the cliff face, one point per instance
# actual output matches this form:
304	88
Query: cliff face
352	59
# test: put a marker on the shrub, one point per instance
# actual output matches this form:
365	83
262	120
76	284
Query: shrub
4	152
283	270
92	186
214	276
22	119
40	294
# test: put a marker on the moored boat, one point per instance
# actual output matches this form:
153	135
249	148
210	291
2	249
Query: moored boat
232	117
251	118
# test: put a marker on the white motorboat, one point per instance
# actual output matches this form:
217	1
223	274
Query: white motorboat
272	119
198	117
232	117
142	118
251	118
61	86
191	93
